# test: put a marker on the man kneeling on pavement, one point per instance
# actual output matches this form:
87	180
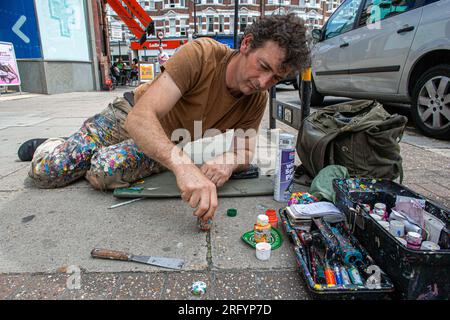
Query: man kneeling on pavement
205	81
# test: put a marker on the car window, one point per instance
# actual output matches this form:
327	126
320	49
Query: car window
377	10
343	19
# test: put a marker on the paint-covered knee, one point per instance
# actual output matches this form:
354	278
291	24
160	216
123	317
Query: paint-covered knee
101	181
102	175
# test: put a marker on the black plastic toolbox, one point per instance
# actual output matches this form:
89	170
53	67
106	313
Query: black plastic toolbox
417	274
339	292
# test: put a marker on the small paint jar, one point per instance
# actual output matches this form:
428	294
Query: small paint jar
429	245
273	218
379	209
413	240
397	228
380	206
263	250
262	229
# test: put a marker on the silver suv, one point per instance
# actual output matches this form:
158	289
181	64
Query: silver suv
391	51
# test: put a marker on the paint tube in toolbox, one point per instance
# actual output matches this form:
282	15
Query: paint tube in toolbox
345	277
337	274
329	274
355	276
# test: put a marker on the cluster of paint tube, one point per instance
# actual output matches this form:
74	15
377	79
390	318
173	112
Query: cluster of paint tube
333	273
408	234
332	259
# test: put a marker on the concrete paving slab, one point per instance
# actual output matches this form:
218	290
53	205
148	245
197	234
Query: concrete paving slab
22	121
10	284
63	122
68	224
41	286
93	286
16	180
10	167
282	285
143	286
417	139
13	137
178	286
229	251
13	96
236	284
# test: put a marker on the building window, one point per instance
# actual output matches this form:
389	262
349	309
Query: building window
182	3
171	3
172	27
210	24
183	27
243	24
231	24
199	23
220	1
221	24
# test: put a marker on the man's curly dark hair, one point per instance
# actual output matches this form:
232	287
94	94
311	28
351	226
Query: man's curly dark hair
289	32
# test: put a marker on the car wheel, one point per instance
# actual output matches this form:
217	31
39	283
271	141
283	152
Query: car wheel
316	97
431	102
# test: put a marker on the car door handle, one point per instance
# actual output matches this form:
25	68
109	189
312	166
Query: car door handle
344	45
406	29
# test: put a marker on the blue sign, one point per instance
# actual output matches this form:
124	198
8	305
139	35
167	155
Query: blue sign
19	26
228	40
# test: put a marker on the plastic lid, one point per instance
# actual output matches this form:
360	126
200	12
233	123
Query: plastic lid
397	223
262	219
271	213
380	205
232	212
429	245
414	235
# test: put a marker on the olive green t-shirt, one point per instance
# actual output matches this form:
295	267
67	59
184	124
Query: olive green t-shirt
198	69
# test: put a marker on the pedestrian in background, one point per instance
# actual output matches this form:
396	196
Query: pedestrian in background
162	56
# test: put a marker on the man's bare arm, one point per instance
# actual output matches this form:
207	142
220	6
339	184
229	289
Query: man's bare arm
238	158
144	127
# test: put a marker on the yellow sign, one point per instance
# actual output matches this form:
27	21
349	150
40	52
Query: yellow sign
146	71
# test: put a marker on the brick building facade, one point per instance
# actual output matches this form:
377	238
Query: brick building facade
175	18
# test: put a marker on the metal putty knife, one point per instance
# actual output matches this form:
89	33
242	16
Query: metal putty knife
171	263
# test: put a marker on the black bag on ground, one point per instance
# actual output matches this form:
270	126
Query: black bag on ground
359	135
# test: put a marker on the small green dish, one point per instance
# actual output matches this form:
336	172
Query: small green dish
275	241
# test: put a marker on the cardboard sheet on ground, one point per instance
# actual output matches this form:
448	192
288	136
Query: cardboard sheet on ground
163	185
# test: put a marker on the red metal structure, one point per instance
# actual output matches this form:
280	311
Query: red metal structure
127	16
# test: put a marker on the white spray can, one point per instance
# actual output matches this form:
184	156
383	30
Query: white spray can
284	167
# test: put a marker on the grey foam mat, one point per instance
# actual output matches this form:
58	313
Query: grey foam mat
163	185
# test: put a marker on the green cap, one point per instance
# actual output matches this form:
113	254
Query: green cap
231	212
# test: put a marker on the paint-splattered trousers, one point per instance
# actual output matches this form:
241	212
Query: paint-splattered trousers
100	150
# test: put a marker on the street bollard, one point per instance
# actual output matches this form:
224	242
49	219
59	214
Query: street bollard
305	88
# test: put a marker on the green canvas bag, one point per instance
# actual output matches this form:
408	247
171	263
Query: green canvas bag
359	135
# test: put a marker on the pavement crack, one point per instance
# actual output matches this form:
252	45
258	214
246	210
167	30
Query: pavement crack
209	251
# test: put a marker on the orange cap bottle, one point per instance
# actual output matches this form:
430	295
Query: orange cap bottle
273	218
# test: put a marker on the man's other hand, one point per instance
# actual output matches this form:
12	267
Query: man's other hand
197	190
217	170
